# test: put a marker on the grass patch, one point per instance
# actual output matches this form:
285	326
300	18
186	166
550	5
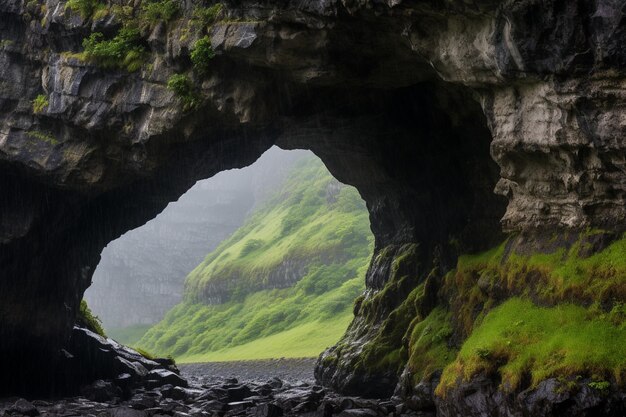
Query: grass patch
519	340
303	341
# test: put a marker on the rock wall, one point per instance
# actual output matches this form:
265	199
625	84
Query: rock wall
425	107
141	275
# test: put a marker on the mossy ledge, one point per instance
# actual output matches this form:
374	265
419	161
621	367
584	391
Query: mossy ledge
513	317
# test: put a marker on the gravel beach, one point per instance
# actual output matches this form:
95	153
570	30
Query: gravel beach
294	371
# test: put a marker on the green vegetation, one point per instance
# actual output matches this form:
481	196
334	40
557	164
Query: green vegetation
564	316
40	103
86	319
156	11
124	51
183	87
258	317
206	16
43	136
86	8
519	339
202	54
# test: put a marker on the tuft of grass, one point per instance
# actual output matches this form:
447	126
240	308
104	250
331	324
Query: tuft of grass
519	340
86	319
40	103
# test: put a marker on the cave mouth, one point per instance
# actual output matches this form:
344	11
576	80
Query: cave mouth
419	157
256	243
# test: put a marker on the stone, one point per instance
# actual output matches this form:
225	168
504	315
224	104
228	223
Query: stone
240	405
23	407
268	410
238	393
101	391
160	377
126	412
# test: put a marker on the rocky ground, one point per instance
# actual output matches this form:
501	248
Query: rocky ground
272	388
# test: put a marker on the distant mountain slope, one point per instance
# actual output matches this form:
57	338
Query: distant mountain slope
283	284
141	274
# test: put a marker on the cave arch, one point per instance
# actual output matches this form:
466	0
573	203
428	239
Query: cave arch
418	155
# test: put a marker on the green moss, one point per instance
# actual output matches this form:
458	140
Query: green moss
86	8
519	340
40	103
429	346
43	136
86	319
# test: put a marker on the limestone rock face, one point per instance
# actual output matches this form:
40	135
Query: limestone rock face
426	107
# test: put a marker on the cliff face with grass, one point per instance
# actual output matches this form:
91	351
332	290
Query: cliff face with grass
458	122
141	275
283	284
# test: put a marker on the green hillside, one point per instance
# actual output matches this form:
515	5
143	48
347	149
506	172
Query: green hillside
282	285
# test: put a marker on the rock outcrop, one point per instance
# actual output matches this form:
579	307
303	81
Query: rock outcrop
425	107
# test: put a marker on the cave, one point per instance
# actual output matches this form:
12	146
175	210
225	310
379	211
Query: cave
458	124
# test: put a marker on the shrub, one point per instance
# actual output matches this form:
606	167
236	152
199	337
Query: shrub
161	10
40	103
202	53
182	86
123	51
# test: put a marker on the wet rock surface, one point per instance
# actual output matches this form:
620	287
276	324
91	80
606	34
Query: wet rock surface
258	392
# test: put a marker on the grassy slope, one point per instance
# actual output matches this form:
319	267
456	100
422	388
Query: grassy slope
299	222
568	322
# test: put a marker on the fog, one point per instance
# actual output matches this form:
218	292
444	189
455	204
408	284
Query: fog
141	274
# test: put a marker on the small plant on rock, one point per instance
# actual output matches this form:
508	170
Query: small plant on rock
40	103
202	54
160	10
85	8
123	51
208	15
182	86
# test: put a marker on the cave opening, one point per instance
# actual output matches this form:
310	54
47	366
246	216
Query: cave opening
418	156
262	262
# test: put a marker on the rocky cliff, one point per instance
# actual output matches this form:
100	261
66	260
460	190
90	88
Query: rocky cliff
426	107
141	275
